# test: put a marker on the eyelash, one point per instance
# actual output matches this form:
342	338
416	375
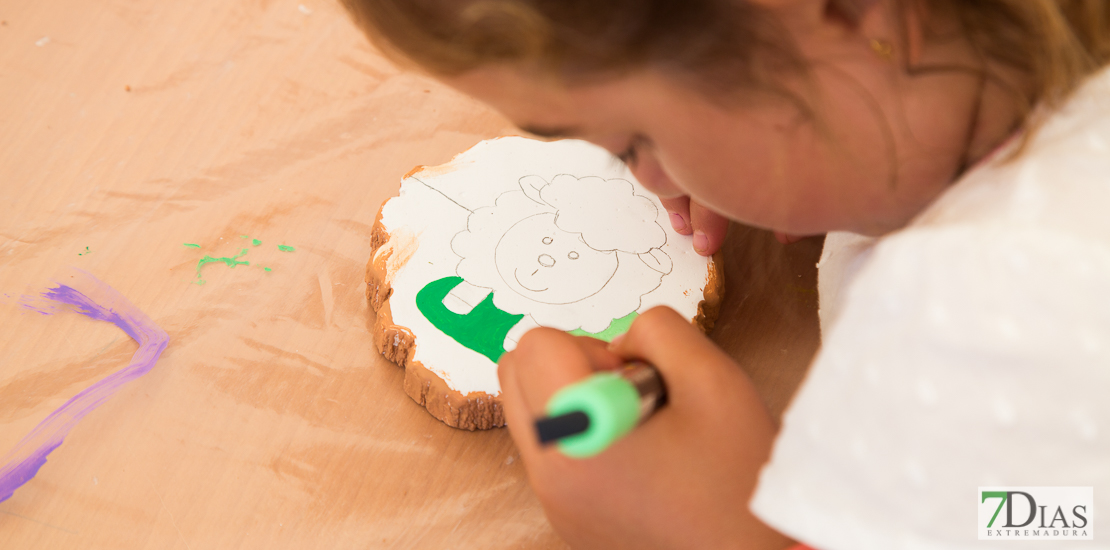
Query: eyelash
630	155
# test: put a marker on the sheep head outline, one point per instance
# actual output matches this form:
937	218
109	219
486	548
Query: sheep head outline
541	262
550	246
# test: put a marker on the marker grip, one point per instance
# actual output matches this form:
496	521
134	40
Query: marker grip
612	404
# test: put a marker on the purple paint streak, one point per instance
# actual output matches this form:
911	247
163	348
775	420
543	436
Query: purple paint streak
90	297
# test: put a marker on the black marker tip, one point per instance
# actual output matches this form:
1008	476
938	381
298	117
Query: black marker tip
554	428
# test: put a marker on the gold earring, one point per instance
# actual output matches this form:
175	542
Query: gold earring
882	48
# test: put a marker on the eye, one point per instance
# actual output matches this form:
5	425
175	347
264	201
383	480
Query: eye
573	255
548	240
628	156
632	153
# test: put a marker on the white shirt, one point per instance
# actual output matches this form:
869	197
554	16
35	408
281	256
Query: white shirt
971	348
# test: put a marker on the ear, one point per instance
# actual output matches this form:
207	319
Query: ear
531	186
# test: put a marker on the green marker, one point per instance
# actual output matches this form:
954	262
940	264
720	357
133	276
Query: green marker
588	416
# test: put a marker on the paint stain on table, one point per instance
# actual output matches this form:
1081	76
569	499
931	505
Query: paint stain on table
87	295
231	261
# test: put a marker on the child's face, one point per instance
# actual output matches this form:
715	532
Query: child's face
883	146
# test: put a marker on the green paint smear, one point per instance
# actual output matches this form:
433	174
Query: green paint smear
87	251
267	269
616	328
230	262
284	248
482	330
244	236
191	245
256	242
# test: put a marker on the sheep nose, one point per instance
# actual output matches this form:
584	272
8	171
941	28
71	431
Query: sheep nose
545	260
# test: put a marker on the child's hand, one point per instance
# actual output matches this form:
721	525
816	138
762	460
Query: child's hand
689	217
681	480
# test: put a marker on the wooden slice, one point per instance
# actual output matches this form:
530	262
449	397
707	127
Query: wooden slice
511	235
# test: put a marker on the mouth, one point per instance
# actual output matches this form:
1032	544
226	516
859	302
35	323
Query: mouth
516	275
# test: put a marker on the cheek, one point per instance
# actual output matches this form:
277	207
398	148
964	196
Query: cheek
752	187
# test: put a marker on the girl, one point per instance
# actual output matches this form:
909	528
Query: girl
957	153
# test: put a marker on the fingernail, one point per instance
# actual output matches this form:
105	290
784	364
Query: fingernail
701	242
678	222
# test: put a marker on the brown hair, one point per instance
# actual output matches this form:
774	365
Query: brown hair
715	44
720	44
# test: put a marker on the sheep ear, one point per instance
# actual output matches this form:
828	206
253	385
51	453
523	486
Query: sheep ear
531	186
657	260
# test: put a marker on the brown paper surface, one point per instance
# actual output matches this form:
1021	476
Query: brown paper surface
131	127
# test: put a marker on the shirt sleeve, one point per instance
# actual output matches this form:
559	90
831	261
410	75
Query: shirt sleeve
961	357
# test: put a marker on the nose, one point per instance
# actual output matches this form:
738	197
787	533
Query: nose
545	260
652	176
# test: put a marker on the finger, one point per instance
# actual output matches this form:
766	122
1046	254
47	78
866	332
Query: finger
707	393
544	361
518	417
663	337
599	354
691	365
679	209
709	229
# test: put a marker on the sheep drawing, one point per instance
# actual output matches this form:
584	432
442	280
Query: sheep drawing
572	253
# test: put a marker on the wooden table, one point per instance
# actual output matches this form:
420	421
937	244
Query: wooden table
131	127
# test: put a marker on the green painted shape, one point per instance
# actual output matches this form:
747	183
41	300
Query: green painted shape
191	245
609	400
87	251
482	330
230	262
244	236
616	328
284	248
256	242
267	269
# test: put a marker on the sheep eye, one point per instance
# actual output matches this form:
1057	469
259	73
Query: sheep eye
573	255
548	240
